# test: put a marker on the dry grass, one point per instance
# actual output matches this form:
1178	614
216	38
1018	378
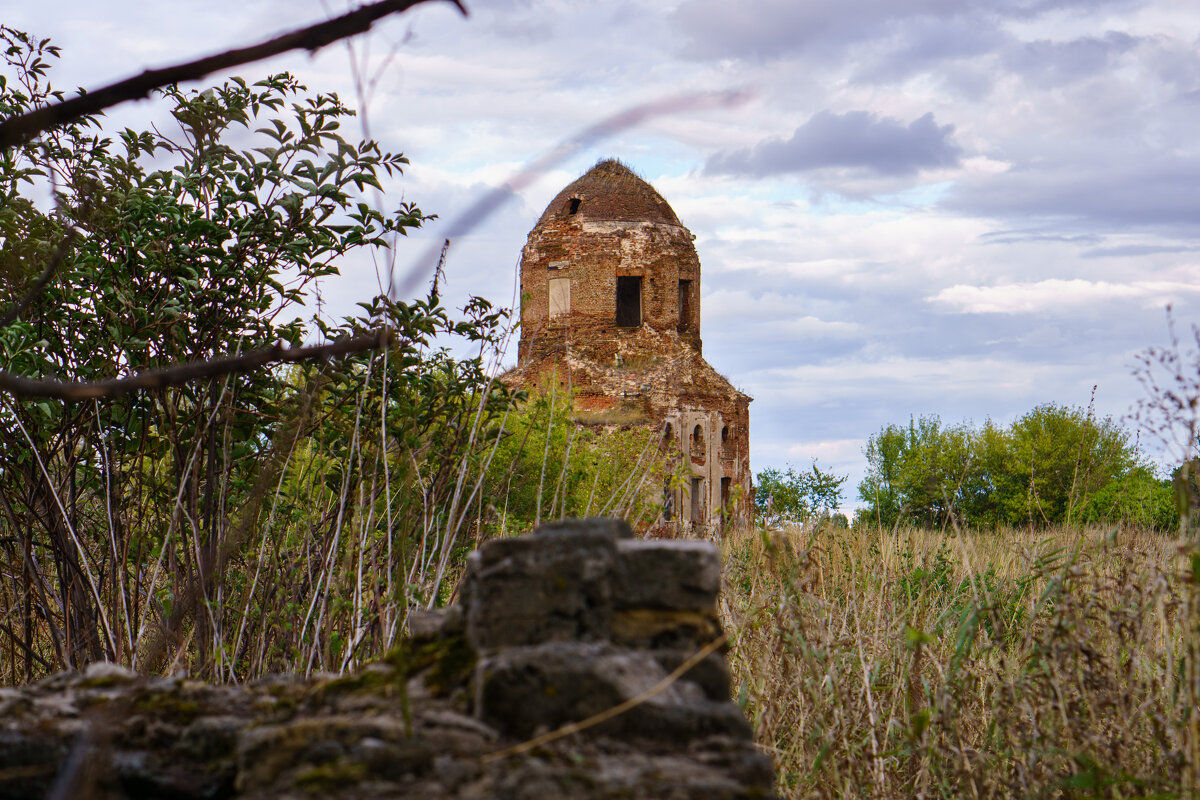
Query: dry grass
929	664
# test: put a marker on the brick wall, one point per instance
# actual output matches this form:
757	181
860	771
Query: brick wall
607	225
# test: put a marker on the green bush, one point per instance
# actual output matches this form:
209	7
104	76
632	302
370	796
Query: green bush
789	497
276	518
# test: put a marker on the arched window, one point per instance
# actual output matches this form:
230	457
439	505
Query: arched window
573	206
698	442
724	434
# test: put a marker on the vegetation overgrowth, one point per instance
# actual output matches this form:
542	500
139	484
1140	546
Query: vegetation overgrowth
548	467
1056	655
267	520
280	519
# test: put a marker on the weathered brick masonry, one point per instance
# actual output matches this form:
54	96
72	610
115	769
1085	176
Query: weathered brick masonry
610	309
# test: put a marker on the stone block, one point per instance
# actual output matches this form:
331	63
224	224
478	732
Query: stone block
523	690
609	527
664	628
555	585
436	623
711	674
676	574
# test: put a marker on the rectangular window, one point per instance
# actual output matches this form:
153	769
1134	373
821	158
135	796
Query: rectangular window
629	301
685	306
697	501
560	296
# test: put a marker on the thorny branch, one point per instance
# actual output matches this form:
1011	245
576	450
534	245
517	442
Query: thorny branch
182	373
18	130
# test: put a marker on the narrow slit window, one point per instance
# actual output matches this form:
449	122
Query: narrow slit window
629	301
685	305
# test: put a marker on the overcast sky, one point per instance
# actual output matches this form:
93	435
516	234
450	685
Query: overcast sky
955	207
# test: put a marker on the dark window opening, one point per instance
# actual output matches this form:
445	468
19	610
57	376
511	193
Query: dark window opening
668	502
685	305
726	484
698	444
573	206
669	433
697	507
629	301
724	434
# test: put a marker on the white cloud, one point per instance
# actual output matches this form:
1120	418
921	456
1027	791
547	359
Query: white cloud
1055	294
827	452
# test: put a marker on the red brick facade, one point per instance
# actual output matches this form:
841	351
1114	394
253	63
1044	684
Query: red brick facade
610	305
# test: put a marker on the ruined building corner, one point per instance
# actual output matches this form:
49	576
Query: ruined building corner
610	311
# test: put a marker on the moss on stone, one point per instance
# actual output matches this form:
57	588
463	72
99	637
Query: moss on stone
329	778
168	706
446	662
376	682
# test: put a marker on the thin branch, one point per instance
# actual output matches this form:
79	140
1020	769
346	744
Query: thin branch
156	647
182	373
576	727
18	130
36	288
483	208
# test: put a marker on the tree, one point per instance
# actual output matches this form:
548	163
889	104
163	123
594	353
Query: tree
207	508
916	472
1061	456
1054	465
787	497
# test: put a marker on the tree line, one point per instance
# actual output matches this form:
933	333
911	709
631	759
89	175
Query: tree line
1055	465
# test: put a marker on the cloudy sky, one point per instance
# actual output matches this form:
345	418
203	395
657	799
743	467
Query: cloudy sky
955	207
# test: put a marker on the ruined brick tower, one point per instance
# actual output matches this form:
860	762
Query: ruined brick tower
610	310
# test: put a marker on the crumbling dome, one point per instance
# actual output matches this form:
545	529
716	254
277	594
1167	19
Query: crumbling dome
608	256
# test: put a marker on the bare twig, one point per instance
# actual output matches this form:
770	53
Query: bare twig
156	647
479	211
21	129
182	373
36	288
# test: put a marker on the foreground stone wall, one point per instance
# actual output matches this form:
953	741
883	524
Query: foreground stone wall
550	629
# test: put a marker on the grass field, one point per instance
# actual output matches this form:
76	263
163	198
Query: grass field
919	663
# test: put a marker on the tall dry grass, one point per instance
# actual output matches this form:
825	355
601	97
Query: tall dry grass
918	663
